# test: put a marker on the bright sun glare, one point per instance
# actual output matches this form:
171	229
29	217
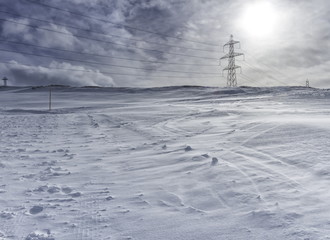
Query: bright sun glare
259	19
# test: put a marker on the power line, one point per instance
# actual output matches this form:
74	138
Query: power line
106	72
105	56
246	77
103	41
104	64
263	72
267	66
101	33
267	73
117	24
273	69
250	80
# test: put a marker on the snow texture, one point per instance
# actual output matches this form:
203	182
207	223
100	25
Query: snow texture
164	163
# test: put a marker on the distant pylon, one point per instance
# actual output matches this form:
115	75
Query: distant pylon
231	68
5	81
307	83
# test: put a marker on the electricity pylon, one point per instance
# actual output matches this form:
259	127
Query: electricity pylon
5	81
231	68
307	83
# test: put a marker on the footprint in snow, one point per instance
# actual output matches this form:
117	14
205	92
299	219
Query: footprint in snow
76	194
47	163
6	215
51	172
56	190
66	190
36	209
40	236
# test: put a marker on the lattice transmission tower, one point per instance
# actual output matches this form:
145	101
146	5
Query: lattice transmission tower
5	81
231	68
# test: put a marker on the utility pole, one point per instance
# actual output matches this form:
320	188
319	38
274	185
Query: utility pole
231	68
5	81
50	98
307	83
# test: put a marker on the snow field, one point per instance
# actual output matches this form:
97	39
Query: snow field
168	163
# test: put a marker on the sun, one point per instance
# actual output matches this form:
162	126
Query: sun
259	19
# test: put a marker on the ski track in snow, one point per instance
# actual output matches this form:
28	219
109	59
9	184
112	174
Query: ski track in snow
177	163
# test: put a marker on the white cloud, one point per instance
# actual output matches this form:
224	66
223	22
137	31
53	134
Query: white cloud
24	75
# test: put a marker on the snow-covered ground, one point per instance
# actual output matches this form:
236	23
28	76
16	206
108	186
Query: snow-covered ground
166	163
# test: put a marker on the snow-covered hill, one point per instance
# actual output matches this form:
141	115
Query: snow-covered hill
165	163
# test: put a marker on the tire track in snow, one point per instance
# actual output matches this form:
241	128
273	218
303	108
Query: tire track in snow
264	168
84	214
173	128
235	149
258	134
260	153
172	125
242	169
270	157
120	125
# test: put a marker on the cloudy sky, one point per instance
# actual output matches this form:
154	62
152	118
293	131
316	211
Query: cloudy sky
147	43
